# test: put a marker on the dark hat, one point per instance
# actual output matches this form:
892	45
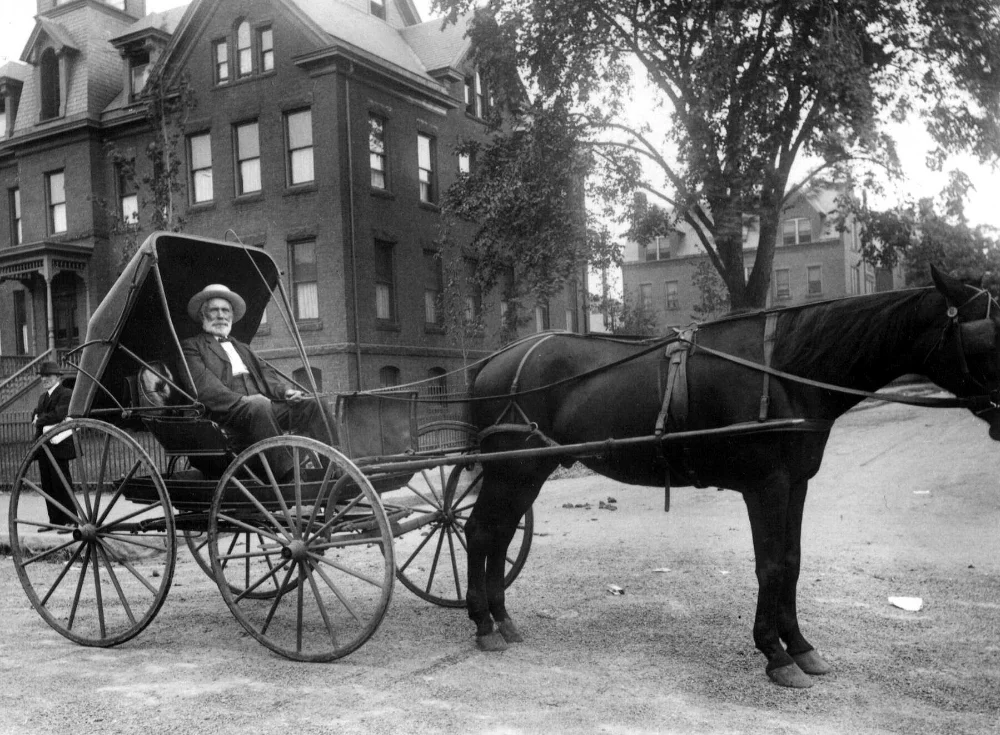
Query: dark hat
217	291
49	368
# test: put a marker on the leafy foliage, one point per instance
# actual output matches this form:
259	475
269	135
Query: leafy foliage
747	87
714	301
160	183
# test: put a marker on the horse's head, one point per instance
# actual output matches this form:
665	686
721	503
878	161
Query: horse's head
965	357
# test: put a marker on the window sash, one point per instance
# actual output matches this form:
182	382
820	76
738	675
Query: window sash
425	165
221	61
248	158
57	201
385	307
672	302
376	151
431	312
646	295
301	168
782	289
17	233
305	279
200	153
244	57
814	277
266	41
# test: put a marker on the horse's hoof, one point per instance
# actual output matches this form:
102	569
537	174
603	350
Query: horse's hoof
812	663
491	642
790	676
509	631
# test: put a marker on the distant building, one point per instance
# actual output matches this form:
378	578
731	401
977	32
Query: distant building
814	260
324	131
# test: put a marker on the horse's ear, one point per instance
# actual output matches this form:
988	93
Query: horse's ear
951	288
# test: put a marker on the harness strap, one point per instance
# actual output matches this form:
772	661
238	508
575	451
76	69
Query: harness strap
524	359
909	400
676	384
770	326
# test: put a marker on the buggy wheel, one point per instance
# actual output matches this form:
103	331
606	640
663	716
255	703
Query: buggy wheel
100	578
325	551
235	548
432	562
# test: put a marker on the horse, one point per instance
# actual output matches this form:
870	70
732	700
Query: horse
811	362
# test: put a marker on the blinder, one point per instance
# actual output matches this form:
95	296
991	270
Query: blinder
978	337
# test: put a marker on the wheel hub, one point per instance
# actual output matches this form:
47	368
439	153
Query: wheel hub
296	550
87	532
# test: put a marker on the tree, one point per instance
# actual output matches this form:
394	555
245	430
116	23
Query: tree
628	316
747	86
712	291
160	183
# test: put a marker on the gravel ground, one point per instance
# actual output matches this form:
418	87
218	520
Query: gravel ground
906	504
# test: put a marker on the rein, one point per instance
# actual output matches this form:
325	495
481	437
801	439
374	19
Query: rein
957	402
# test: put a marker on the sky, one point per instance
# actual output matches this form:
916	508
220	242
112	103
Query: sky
983	205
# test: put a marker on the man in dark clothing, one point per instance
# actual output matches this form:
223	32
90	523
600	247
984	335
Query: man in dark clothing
242	393
52	407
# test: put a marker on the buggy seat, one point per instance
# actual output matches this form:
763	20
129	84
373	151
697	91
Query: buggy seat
181	429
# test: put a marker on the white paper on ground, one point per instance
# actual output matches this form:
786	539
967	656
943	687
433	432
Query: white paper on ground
910	604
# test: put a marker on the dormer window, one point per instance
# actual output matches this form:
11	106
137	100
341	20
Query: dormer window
249	51
377	8
48	69
478	100
138	73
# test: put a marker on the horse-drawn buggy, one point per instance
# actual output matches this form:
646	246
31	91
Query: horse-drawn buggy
306	563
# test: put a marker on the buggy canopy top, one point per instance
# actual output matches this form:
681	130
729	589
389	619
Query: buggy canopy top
144	315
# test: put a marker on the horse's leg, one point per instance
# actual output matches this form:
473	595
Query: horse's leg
491	527
801	651
768	512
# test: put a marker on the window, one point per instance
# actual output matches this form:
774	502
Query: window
646	297
856	279
781	288
247	158
473	298
55	194
433	285
50	90
3	117
221	61
298	126
20	323
385	297
128	197
377	8
796	231
388	376
16	231
305	286
814	277
671	302
138	73
541	316
464	163
425	164
200	163
657	249
477	98
376	151
244	54
265	46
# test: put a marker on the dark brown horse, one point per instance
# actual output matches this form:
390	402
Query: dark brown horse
569	390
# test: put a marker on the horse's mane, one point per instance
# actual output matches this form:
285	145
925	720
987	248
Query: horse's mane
847	337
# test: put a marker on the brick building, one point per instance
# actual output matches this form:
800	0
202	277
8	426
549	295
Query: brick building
323	130
814	260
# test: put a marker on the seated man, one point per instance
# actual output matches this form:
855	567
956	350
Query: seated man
241	392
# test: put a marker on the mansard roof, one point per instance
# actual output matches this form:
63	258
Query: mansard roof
162	24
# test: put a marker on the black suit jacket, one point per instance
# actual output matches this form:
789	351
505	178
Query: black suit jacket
51	410
213	374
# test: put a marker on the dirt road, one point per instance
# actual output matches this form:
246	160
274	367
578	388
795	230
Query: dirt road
907	504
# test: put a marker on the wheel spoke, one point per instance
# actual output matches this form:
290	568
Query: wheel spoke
340	595
434	529
271	575
454	566
117	585
277	599
55	584
105	453
346	570
321	605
